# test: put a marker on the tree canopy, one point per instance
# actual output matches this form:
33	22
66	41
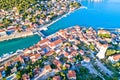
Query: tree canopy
21	5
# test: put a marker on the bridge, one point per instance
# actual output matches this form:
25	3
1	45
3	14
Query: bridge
40	34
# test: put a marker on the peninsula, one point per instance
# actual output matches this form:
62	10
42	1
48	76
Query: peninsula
73	53
72	43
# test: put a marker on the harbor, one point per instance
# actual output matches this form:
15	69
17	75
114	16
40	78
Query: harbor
59	40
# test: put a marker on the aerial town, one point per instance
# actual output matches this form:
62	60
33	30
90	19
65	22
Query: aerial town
76	40
75	53
14	24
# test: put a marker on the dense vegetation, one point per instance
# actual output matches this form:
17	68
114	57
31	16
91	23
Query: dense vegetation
32	11
21	5
104	35
110	52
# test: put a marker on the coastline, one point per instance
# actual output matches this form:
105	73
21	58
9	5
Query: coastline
66	40
43	27
8	56
16	35
47	25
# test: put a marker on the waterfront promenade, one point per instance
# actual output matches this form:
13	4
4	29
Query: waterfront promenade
9	57
16	35
59	18
42	27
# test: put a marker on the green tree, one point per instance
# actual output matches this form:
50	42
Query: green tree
83	70
18	75
79	57
63	59
110	52
8	70
50	78
104	35
3	78
31	74
92	47
53	66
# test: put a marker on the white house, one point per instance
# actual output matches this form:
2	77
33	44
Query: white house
2	33
101	53
114	58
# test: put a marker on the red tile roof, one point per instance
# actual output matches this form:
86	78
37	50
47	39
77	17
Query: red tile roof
34	57
50	53
56	42
66	54
1	24
73	53
25	77
43	46
62	31
7	64
103	32
71	74
2	68
57	63
11	29
2	30
0	75
48	67
15	60
81	52
44	41
56	78
116	57
70	60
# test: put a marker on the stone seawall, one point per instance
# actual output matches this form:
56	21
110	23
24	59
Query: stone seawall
16	35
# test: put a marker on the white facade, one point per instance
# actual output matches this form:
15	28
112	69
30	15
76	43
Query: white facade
2	33
101	53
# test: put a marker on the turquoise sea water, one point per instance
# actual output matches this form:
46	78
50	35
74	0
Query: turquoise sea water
105	14
20	43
